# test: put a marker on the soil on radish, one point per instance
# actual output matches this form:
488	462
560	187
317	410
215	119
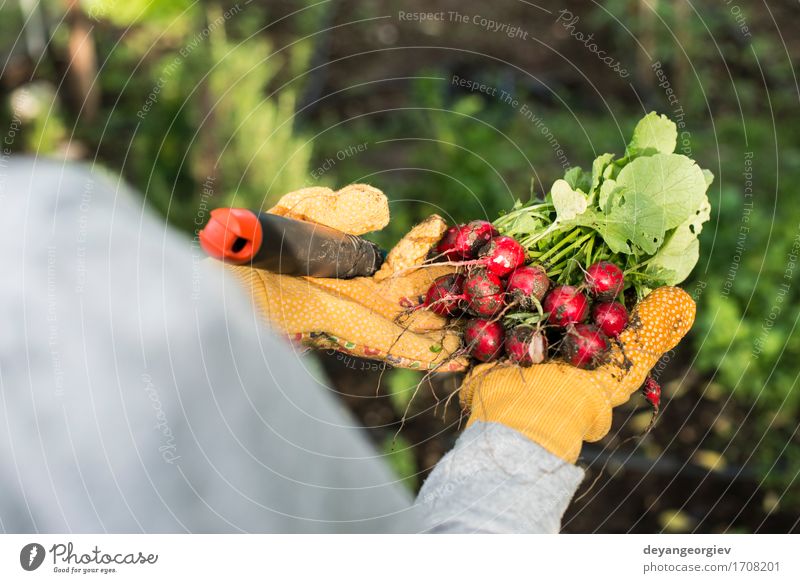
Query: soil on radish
610	317
566	305
525	346
445	295
527	285
470	238
484	339
605	280
484	293
584	346
502	255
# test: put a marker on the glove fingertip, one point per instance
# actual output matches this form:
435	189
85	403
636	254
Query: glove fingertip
661	320
414	247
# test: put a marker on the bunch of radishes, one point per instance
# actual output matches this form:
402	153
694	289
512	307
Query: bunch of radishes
512	309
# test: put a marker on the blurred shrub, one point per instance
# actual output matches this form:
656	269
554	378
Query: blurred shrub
203	130
746	334
36	109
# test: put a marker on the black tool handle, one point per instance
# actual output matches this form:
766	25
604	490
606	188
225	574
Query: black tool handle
293	247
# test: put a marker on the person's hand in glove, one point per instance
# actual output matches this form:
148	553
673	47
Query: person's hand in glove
560	406
371	317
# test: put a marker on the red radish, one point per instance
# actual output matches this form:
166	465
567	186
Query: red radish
444	294
526	283
605	280
447	245
502	255
652	392
526	346
610	317
584	346
484	293
566	305
484	339
471	237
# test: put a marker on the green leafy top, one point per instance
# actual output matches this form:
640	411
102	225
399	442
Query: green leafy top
653	134
643	211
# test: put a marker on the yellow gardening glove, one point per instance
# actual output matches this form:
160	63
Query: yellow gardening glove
560	406
366	316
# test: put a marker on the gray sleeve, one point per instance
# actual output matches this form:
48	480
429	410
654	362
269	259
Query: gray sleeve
497	480
139	392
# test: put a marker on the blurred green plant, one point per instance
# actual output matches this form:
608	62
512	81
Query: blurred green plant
746	336
129	12
399	454
401	384
36	109
204	131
